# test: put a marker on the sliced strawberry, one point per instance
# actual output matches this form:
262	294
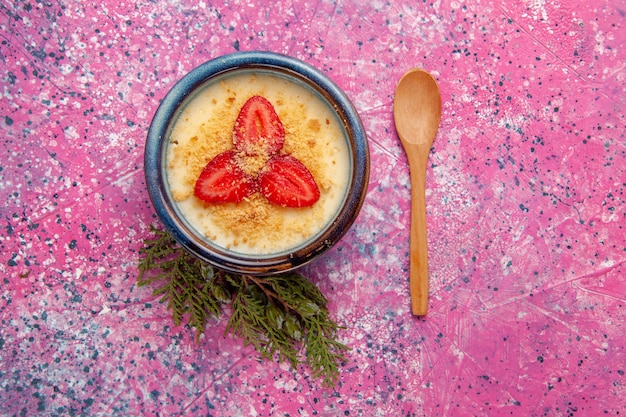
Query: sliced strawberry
287	182
258	128
223	181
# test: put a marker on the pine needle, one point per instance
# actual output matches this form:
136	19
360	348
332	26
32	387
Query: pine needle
285	317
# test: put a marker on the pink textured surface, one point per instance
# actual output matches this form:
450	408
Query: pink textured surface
526	211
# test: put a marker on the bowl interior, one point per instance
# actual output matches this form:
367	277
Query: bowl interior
218	72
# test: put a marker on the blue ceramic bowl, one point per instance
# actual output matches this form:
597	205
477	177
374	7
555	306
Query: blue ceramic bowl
156	154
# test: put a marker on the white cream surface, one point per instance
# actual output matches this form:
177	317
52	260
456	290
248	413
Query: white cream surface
313	134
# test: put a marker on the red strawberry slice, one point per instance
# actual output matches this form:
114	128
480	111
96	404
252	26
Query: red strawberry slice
287	182
258	128
223	181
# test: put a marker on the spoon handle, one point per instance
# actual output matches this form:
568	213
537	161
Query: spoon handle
418	238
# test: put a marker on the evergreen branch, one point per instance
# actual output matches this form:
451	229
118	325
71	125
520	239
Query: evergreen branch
283	316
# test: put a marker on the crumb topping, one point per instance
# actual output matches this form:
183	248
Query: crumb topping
255	225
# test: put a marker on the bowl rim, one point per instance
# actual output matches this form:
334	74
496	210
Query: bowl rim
234	261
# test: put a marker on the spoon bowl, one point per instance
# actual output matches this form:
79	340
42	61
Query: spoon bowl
417	112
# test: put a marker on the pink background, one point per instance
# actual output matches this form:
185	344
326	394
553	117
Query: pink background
526	211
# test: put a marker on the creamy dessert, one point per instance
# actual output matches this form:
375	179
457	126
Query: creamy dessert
252	219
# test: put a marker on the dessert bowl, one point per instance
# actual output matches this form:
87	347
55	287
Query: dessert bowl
195	124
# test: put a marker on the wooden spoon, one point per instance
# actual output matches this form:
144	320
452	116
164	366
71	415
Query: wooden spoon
417	111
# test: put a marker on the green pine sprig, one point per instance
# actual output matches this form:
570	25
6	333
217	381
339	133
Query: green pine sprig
283	316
